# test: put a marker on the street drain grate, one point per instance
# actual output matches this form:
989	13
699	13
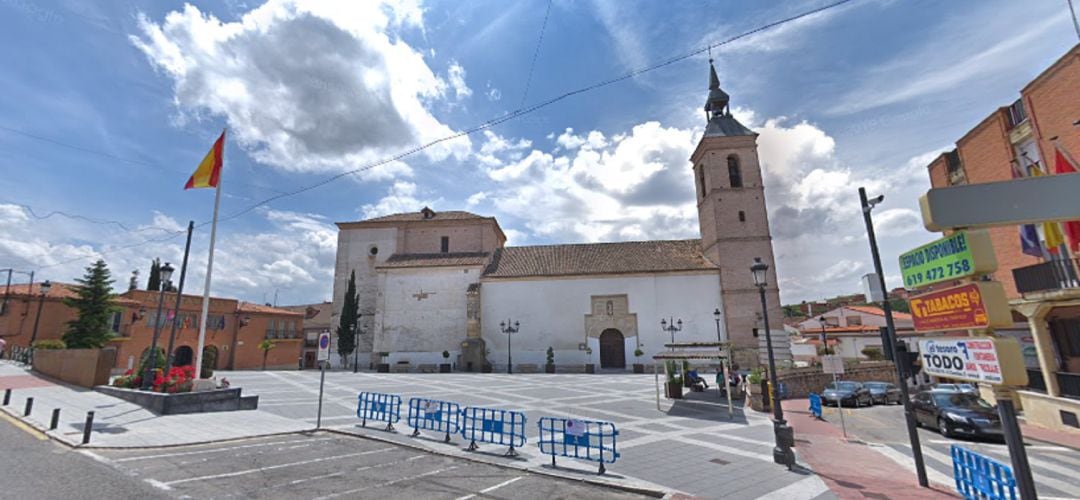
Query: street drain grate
719	461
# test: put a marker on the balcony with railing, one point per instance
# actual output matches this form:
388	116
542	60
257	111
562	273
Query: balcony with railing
1068	383
1052	275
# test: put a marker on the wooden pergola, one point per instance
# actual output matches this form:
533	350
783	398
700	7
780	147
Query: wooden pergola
687	351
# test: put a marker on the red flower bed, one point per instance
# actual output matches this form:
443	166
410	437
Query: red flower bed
179	379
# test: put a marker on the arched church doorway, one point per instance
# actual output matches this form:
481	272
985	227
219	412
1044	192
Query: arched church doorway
183	356
612	349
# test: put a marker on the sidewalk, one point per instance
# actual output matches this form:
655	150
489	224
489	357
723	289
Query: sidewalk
120	424
1059	438
850	469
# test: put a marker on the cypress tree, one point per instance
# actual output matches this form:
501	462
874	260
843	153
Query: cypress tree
94	303
350	309
153	283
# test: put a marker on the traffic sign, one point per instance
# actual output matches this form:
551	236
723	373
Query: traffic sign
324	346
960	255
973	306
833	364
994	360
1019	201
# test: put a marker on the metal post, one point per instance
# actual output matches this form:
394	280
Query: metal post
37	319
55	419
1015	442
176	309
840	409
509	359
322	380
7	396
356	346
148	376
87	427
7	293
782	454
909	415
29	407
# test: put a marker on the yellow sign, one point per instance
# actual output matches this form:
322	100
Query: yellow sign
977	305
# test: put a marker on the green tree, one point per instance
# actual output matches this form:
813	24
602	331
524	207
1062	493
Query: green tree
95	307
350	315
153	283
266	345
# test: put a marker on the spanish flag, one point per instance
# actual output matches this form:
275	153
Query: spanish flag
209	172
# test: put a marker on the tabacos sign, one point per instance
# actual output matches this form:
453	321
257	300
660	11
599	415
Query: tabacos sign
969	307
976	359
960	255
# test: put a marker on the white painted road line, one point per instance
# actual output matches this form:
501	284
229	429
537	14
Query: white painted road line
807	488
279	466
493	488
218	450
358	469
908	463
388	483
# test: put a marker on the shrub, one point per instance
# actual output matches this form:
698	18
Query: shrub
209	359
446	354
756	375
638	353
50	344
873	353
550	355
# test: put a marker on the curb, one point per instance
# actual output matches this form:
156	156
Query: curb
627	488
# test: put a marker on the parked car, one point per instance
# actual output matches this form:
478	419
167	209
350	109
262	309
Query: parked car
841	393
964	388
883	392
955	413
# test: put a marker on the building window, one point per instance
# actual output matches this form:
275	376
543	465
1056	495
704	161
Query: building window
832	321
853	320
734	174
1017	113
116	317
445	244
374	250
742	216
701	180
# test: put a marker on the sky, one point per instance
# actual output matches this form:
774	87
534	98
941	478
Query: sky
108	107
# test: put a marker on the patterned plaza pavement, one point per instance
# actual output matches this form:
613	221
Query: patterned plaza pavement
691	446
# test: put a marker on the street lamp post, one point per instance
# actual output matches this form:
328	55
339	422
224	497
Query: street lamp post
785	436
356	344
148	377
508	329
824	338
41	305
664	325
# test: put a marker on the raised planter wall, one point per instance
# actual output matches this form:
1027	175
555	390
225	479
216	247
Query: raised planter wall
801	382
188	402
81	367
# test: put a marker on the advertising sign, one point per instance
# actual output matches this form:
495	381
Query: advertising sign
992	360
963	254
324	346
1005	203
972	306
833	364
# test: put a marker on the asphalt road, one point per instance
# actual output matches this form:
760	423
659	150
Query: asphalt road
32	466
327	465
1054	467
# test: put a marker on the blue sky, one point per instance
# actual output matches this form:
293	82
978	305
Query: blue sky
109	106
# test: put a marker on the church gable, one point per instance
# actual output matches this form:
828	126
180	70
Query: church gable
628	257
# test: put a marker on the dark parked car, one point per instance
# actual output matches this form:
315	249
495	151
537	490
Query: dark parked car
883	392
965	388
956	414
842	393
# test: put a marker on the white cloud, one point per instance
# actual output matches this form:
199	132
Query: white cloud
476	199
312	86
629	48
400	197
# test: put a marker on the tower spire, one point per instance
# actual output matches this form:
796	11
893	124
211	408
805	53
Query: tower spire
717	103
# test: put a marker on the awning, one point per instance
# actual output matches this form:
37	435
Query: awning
689	355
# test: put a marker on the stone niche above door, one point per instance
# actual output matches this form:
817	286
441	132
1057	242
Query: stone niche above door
610	311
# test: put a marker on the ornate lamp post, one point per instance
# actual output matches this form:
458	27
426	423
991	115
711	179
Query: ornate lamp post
785	436
41	304
671	329
508	329
824	338
148	377
356	344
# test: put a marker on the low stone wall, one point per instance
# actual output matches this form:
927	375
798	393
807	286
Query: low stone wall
81	367
1047	411
801	382
188	402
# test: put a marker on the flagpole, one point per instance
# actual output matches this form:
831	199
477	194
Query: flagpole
209	271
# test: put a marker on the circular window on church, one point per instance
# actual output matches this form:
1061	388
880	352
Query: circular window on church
374	251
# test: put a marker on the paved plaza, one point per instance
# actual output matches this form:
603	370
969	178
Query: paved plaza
692	446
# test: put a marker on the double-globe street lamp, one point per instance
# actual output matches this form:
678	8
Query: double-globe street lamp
356	342
148	377
509	328
664	325
45	287
785	436
824	338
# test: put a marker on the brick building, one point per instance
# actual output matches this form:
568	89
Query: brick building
316	320
1044	293
234	328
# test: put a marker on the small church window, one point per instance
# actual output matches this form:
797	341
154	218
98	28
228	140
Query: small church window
734	174
445	244
742	216
701	180
610	308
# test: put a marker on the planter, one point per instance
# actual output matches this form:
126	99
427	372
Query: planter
383	368
590	368
444	368
549	368
185	402
639	368
82	367
674	389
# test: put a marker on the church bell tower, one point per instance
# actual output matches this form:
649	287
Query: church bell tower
735	227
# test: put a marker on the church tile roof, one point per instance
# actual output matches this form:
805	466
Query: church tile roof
399	260
419	216
598	258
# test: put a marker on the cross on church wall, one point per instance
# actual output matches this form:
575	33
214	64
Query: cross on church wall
422	295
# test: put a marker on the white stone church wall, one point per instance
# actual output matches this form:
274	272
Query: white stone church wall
552	313
354	252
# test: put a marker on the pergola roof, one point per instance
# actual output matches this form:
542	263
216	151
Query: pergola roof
689	355
696	345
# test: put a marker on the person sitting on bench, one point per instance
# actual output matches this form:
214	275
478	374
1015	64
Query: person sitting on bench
696	382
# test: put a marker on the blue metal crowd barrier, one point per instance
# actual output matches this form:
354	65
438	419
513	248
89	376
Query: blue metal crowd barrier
979	477
815	405
380	407
434	415
490	425
580	439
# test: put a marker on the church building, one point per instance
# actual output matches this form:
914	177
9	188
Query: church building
434	281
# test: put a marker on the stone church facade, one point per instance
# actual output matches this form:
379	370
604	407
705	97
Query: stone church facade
432	281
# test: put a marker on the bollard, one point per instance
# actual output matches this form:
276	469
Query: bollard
55	419
87	427
7	396
29	407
